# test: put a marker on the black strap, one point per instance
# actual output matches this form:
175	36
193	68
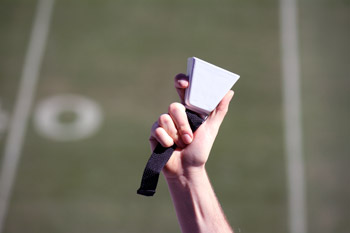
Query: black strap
160	157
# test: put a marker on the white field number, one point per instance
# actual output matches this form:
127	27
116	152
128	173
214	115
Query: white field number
84	118
86	121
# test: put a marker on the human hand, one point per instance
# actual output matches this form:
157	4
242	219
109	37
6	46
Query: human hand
192	148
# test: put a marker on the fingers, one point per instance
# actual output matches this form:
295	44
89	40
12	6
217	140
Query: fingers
172	128
166	122
181	83
158	134
178	114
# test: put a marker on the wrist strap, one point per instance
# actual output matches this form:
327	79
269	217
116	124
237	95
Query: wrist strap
160	157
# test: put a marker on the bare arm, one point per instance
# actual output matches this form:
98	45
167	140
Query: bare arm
196	205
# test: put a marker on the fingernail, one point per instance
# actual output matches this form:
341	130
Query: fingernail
187	138
183	83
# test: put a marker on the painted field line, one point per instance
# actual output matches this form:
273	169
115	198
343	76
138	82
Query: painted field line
292	116
27	88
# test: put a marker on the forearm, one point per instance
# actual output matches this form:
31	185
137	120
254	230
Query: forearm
196	205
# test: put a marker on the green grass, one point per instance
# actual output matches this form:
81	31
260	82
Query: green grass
124	55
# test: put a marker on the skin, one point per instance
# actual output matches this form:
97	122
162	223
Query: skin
195	202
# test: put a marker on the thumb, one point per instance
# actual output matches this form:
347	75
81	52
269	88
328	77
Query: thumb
217	116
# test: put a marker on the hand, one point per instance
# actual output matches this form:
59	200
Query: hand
192	148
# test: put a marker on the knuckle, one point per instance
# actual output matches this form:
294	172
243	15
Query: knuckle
164	119
158	132
183	128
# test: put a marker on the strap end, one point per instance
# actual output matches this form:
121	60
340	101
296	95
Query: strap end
147	193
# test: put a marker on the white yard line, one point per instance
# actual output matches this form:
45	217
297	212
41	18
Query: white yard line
27	88
292	116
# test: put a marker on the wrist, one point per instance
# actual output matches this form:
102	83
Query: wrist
189	176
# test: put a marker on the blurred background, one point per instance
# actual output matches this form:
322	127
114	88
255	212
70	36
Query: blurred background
107	74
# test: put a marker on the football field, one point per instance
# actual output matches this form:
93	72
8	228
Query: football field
81	83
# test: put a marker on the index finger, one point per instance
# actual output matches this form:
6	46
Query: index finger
181	83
